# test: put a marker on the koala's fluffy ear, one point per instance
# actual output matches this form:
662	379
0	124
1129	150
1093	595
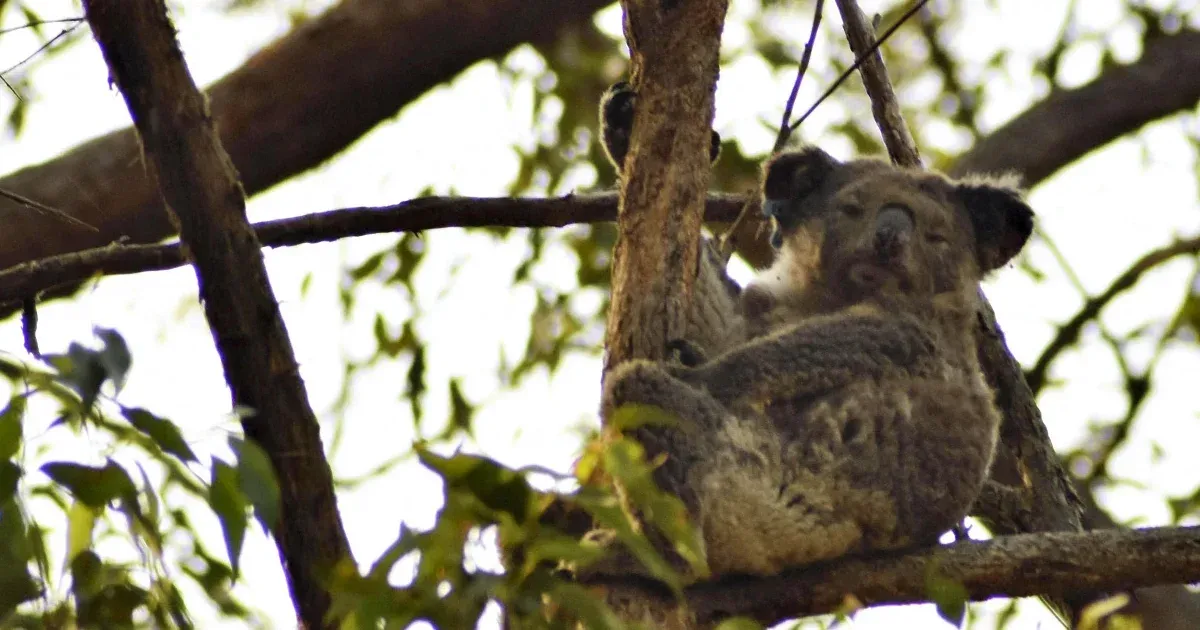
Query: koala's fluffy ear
788	178
1001	218
796	174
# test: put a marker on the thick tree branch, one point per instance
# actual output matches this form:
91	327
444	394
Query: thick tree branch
673	47
1068	124
415	215
1058	564
290	107
184	156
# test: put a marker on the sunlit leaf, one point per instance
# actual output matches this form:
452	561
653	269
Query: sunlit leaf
10	427
162	431
81	520
949	595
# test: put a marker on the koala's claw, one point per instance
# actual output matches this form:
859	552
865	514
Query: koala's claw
686	353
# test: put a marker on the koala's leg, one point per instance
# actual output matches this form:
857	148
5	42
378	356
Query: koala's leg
813	357
723	463
950	445
914	453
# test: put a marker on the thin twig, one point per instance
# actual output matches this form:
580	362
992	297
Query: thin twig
62	34
859	61
785	128
44	209
726	242
37	23
1069	332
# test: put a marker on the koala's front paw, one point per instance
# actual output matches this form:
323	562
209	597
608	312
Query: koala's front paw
686	353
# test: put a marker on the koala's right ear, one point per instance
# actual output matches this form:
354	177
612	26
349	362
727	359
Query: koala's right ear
787	179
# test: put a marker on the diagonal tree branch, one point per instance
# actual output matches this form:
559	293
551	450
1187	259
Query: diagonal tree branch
199	185
1068	124
290	107
1069	332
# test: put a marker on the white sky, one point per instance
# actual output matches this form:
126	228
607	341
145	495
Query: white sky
1104	211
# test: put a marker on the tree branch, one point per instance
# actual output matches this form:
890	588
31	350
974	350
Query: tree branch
1069	332
673	47
264	110
1057	564
415	215
1068	124
184	156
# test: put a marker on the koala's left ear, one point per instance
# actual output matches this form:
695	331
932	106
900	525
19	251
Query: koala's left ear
1001	218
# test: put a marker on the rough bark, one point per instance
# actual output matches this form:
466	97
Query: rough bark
1058	564
674	50
199	185
290	107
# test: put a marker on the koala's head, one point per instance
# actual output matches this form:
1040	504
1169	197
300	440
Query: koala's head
856	230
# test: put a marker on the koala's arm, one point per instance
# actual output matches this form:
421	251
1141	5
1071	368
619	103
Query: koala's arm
812	357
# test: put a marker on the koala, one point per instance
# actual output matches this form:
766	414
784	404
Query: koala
715	321
856	417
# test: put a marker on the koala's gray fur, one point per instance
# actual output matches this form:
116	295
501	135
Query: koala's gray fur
858	419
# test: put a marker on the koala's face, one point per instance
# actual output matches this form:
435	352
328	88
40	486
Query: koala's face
862	229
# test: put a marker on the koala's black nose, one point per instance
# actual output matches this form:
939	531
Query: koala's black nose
893	230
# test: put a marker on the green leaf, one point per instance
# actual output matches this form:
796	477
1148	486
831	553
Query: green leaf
632	416
94	486
164	433
588	608
81	521
10	427
227	500
256	478
496	486
948	594
10	474
739	623
461	411
115	356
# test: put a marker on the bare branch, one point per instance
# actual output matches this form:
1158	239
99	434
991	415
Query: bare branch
416	215
1069	332
263	110
46	210
862	55
1058	564
785	125
200	186
1068	124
